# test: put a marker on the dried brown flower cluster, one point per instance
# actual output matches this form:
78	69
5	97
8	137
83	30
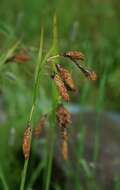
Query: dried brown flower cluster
63	121
61	87
64	83
21	57
27	136
63	78
63	117
74	55
92	75
26	142
66	77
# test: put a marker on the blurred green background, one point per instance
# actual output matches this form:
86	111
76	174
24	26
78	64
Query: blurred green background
89	26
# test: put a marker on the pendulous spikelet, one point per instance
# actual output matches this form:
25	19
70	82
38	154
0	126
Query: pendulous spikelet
64	149
63	117
64	143
37	131
63	120
74	55
66	76
26	143
61	87
92	75
19	57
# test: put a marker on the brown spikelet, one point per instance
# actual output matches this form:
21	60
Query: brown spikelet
64	145
20	58
66	76
64	149
74	55
37	131
61	87
63	117
63	120
26	143
92	75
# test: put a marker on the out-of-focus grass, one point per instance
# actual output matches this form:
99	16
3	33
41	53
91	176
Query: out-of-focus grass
90	26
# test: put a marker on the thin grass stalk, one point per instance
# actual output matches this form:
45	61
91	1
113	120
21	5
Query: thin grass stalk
50	158
53	116
3	180
9	53
35	174
35	91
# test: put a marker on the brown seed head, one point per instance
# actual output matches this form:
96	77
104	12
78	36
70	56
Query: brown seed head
64	150
64	134
21	58
63	117
66	76
26	143
74	55
92	76
61	87
38	129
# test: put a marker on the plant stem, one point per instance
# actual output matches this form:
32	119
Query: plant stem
24	175
35	174
49	166
3	180
53	57
35	92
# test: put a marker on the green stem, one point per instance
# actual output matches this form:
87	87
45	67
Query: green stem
36	174
53	57
49	168
35	92
3	180
24	175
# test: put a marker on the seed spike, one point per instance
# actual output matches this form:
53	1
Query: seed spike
26	143
75	55
66	76
61	87
91	75
19	57
63	117
64	150
63	120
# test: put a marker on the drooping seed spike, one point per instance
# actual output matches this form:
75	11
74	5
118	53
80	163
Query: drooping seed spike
92	76
63	121
64	150
19	57
66	76
61	87
63	117
74	55
26	143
